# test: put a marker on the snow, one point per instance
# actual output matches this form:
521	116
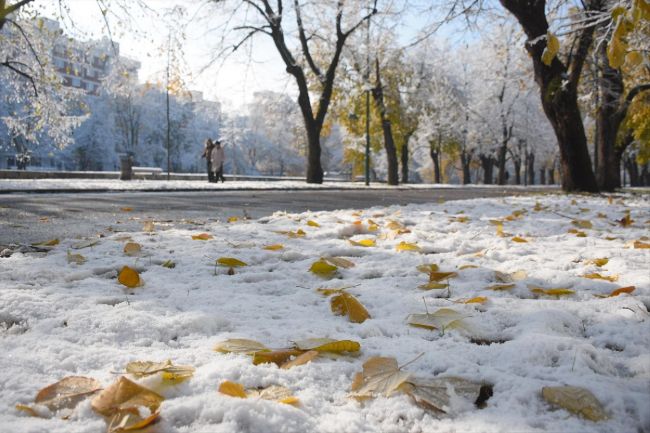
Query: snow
163	185
61	319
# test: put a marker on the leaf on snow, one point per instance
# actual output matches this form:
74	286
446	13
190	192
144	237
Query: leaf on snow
598	262
149	226
128	405
202	237
312	223
230	262
132	249
557	291
276	393
169	370
323	269
500	287
428	268
476	300
432	285
278	357
345	304
518	239
233	389
583	224
239	345
363	243
619	291
339	261
273	247
579	401
380	376
169	264
640	245
406	246
85	244
64	394
76	258
436	394
328	345
50	243
442	319
597	276
439	276
129	277
300	359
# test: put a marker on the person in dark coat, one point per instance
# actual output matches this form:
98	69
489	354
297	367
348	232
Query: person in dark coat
218	158
207	154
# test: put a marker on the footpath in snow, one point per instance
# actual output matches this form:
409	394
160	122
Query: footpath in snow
17	185
525	314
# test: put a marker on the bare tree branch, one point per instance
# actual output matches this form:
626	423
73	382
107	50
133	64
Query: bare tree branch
303	41
10	64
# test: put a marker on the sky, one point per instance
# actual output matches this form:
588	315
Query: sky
143	37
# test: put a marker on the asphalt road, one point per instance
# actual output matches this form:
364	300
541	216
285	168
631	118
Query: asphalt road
27	218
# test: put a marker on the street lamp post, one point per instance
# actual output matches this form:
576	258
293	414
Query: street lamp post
367	167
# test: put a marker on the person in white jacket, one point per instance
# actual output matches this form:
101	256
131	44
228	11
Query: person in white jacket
218	158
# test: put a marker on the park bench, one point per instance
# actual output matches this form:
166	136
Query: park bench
147	170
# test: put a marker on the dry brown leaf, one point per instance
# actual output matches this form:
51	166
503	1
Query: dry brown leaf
202	237
149	226
439	276
239	345
597	276
277	357
380	376
339	261
619	291
328	345
300	359
64	394
500	287
579	401
436	394
132	249
598	262
276	393
76	258
442	319
432	285
345	304
170	372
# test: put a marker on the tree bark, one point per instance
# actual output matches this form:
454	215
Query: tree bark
487	163
405	158
465	161
517	163
551	176
435	157
558	88
542	176
530	160
386	127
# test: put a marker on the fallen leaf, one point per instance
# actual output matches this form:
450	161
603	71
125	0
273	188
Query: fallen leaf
597	276
273	247
436	394
67	393
405	246
275	393
583	224
329	291
132	249
558	291
149	226
364	243
323	269
439	276
432	285
442	319
617	292
500	287
312	223
169	264
463	267
626	221
428	268
50	243
128	405
232	389
277	357
578	233
233	219
126	209
169	370
640	245
327	345
476	300
345	304
202	237
129	277
76	258
300	360
598	262
339	261
239	345
579	401
518	239
380	376
85	244
230	262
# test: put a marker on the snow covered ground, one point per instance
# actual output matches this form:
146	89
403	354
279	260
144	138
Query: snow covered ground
59	318
150	185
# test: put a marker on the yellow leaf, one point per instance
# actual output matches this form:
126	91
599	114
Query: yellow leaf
579	401
597	276
641	245
202	237
428	268
439	276
50	243
27	409
551	50
394	225
328	292
300	360
126	209
621	290
239	345
129	277
339	261
76	258
626	221
149	227
323	269
170	371
559	291
274	247
169	264
328	345
363	243
584	224
633	58
518	239
276	393
476	300
433	285
578	233
501	287
312	223
598	262
67	393
132	249
500	232
122	403
405	246
233	219
230	262
277	357
468	267
232	389
345	304
442	319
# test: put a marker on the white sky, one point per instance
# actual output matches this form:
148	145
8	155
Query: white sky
145	39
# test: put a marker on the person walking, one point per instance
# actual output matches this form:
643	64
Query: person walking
218	158
207	154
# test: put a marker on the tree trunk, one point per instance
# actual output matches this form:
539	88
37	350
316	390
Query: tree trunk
405	158
530	171
633	170
542	176
551	176
487	163
435	157
389	143
558	87
465	161
517	164
645	175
